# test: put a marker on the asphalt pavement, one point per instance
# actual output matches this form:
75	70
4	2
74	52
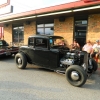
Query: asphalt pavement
33	83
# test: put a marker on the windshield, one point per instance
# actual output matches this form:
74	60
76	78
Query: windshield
3	43
58	41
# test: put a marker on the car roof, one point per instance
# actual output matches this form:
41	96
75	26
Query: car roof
2	40
45	36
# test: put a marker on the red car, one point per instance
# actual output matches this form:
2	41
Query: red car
6	49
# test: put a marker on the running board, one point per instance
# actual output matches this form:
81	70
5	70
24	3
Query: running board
60	72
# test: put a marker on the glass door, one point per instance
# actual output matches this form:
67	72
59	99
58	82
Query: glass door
80	31
18	35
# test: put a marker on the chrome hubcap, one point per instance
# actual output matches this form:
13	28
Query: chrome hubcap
19	60
74	75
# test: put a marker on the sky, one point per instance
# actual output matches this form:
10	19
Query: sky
20	6
27	5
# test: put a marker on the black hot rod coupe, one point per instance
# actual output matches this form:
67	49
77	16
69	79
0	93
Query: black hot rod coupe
47	53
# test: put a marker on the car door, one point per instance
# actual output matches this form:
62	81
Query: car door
42	55
39	53
53	58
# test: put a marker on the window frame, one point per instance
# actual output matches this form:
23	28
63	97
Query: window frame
18	30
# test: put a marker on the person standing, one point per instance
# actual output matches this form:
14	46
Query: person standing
88	47
75	45
96	50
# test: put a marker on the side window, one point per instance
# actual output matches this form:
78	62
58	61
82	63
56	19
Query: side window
51	42
31	41
41	43
1	43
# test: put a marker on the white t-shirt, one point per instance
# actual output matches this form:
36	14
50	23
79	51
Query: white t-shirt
87	48
96	47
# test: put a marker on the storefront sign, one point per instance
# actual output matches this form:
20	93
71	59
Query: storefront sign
7	9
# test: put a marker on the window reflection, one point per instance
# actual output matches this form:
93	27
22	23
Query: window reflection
49	25
48	31
40	25
18	34
45	29
40	31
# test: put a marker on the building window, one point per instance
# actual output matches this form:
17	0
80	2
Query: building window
18	34
45	29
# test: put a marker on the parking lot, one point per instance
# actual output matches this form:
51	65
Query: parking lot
40	84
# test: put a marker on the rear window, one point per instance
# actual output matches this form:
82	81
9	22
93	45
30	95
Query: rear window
31	41
40	42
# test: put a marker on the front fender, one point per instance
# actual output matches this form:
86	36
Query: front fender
27	57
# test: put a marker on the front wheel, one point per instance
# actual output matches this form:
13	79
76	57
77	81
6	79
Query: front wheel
76	75
20	60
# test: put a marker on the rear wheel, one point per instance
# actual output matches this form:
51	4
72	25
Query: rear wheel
76	76
21	61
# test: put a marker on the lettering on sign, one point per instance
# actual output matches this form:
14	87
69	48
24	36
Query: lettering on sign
6	10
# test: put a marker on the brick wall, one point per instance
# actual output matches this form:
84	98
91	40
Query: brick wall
93	32
29	30
8	33
64	29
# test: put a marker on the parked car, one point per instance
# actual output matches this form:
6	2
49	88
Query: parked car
49	53
6	49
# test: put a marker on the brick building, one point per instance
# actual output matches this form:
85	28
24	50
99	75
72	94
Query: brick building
80	20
